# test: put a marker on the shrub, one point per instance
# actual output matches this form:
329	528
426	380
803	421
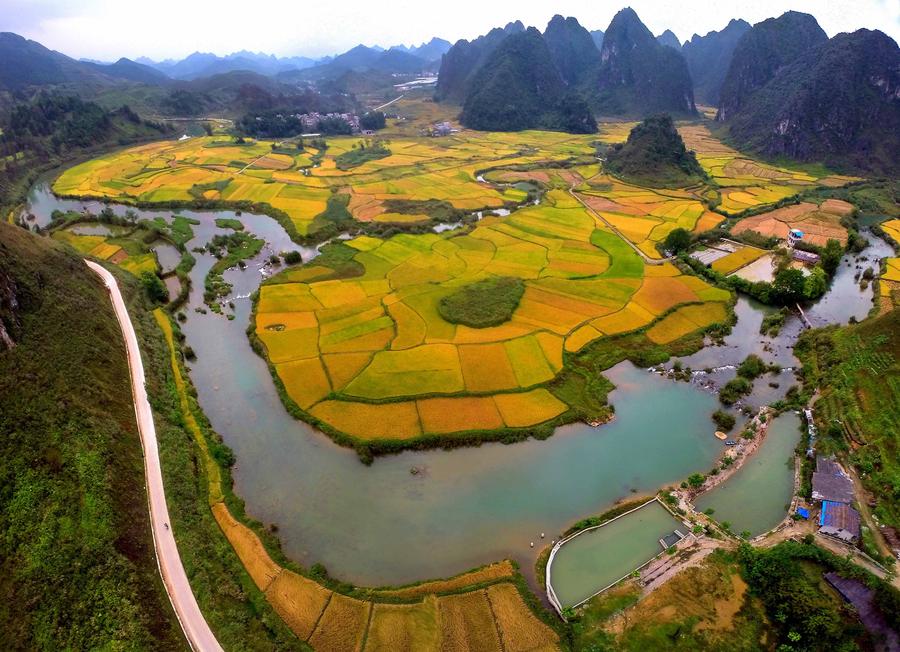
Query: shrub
154	287
752	367
482	304
723	420
734	390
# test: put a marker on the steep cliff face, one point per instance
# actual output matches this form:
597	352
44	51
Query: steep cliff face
708	58
460	64
761	52
572	49
637	75
839	104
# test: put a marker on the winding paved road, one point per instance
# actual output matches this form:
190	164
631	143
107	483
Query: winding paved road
196	629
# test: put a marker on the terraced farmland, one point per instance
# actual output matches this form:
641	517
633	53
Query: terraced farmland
102	247
644	215
746	184
281	179
371	357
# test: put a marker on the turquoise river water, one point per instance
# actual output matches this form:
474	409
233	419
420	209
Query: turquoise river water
383	524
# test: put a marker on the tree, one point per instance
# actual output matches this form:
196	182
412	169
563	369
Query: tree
678	240
208	128
154	287
789	285
372	120
815	284
696	480
831	256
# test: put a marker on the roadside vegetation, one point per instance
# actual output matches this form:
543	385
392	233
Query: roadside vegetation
78	562
78	464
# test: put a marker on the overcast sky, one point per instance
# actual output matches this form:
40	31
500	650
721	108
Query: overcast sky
109	29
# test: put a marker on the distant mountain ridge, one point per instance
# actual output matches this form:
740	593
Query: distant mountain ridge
572	48
762	51
463	60
668	38
520	87
708	58
28	64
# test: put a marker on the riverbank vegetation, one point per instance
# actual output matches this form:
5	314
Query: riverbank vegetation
53	129
486	604
294	186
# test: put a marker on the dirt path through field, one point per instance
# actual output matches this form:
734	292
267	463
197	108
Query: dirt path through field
597	216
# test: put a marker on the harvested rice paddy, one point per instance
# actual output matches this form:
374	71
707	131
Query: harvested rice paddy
819	223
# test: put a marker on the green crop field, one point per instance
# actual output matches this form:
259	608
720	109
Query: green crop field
393	353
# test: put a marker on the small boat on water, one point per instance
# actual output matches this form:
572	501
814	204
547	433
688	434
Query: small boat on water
721	435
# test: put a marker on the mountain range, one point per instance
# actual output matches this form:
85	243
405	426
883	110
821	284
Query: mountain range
629	73
835	101
780	87
521	87
708	58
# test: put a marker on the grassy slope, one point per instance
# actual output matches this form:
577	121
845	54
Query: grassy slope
77	565
77	561
857	369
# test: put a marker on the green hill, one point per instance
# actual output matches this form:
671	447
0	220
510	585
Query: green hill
837	104
519	87
77	567
761	52
654	154
708	58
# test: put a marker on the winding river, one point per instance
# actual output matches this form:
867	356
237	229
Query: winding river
384	524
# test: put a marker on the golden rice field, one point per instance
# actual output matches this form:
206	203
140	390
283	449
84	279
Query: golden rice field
737	259
470	611
744	183
97	246
453	614
892	273
892	228
418	169
371	356
643	215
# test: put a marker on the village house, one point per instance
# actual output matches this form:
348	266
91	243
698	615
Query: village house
833	488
